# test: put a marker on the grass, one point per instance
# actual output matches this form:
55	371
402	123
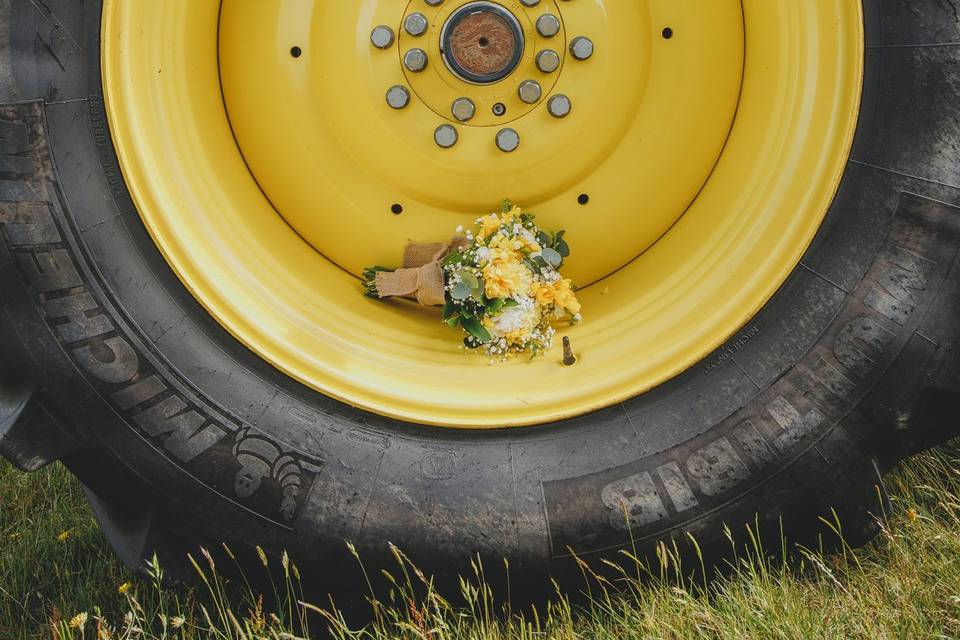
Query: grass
58	579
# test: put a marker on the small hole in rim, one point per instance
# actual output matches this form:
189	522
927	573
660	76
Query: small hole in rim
583	198
397	209
667	33
483	42
296	52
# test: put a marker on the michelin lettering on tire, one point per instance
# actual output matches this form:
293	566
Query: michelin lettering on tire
270	479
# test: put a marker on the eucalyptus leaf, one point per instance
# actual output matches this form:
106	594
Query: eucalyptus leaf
553	258
461	291
470	279
563	248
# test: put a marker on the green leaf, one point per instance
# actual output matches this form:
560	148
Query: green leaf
494	306
470	279
461	291
476	329
506	206
453	320
449	309
552	257
509	303
543	239
563	248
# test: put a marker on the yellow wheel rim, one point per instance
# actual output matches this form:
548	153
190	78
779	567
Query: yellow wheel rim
707	141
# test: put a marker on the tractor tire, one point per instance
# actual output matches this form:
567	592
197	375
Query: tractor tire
181	434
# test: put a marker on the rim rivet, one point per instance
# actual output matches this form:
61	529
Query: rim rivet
559	106
398	96
416	24
381	37
499	109
530	91
445	136
508	140
548	25
463	109
581	48
434	3
530	3
415	60
548	61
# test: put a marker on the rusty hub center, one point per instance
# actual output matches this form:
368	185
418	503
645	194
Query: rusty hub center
482	42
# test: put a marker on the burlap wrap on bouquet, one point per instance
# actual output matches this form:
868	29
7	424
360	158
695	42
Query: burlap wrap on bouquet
421	277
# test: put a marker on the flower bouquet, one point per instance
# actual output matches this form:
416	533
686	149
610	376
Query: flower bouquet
500	283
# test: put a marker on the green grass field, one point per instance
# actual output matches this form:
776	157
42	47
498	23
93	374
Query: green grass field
58	579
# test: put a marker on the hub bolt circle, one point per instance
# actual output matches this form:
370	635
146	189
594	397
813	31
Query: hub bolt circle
581	48
415	60
548	25
463	109
381	37
530	91
445	136
559	106
416	24
508	140
548	61
398	96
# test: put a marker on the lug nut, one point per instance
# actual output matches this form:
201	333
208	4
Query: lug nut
548	25
415	60
508	140
381	37
463	109
398	96
548	61
416	24
530	91
581	48
559	106
445	136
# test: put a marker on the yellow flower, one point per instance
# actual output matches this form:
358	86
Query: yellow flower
63	535
565	297
544	294
506	279
489	224
123	588
79	621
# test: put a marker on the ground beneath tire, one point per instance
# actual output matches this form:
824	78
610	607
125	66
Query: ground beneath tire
58	579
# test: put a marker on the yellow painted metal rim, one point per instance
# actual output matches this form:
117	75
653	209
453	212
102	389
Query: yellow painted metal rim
259	226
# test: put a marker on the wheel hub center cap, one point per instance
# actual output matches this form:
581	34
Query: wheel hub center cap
482	42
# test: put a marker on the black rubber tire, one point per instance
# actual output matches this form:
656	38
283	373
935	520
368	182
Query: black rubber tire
107	362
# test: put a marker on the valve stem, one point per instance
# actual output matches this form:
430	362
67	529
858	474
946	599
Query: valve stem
569	359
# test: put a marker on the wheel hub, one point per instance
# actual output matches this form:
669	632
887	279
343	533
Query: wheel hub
482	43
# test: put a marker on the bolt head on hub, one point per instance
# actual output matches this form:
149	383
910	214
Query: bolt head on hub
446	136
548	61
398	96
508	140
559	106
530	91
581	48
463	109
382	37
416	24
548	25
415	60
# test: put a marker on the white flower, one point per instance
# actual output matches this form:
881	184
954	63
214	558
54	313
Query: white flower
483	255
